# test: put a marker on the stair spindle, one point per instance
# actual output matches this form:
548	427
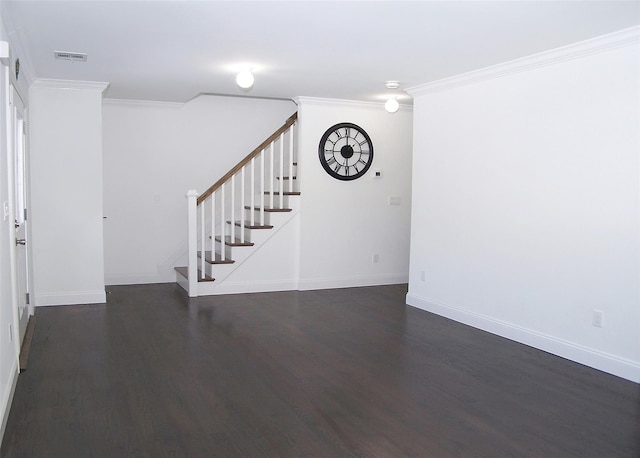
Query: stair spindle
271	189
241	206
202	243
262	187
223	225
213	225
290	159
281	205
252	216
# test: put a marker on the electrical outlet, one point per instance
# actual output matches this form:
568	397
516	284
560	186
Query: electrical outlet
375	258
597	318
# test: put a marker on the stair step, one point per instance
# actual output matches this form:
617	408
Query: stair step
286	193
215	260
184	271
247	225
234	242
270	210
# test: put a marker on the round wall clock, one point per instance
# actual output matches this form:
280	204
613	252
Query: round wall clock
345	151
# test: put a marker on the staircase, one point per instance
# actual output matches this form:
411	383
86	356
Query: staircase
239	213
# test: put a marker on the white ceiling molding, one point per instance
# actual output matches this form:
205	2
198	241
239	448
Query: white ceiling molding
346	103
70	84
565	53
143	103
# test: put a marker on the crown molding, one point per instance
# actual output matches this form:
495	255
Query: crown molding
70	84
573	51
142	103
346	103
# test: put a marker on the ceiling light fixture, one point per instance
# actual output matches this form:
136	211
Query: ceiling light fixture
391	105
245	79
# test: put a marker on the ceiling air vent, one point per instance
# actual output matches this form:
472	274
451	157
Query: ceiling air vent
72	56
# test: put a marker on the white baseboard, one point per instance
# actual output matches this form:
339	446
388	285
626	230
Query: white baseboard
7	398
352	282
605	362
71	298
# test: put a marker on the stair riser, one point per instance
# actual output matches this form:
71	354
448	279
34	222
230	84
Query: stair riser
276	201
236	231
228	250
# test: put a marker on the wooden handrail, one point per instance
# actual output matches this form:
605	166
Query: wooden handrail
202	197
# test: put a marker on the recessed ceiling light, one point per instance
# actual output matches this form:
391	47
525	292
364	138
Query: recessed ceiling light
392	84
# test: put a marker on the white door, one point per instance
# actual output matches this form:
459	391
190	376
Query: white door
20	209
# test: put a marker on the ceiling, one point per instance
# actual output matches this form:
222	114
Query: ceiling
174	50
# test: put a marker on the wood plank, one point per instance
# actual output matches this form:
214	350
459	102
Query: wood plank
269	210
248	225
234	241
217	259
184	271
286	193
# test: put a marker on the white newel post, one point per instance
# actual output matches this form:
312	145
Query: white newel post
192	261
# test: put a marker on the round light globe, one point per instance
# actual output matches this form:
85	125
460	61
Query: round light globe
245	79
391	105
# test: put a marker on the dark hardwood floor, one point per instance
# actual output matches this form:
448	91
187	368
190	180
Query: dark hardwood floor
332	373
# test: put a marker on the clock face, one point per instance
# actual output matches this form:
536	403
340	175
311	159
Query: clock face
345	151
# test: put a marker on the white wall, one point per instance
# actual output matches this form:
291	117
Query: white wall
153	154
343	223
526	209
66	192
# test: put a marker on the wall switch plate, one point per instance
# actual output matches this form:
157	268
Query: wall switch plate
422	276
377	174
5	210
597	318
395	200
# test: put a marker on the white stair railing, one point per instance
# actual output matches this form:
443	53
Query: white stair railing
208	232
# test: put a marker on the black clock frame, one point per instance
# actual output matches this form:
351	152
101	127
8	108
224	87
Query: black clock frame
335	165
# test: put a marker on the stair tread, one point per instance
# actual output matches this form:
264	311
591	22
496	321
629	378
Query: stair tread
286	193
248	225
215	260
184	271
268	209
234	242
